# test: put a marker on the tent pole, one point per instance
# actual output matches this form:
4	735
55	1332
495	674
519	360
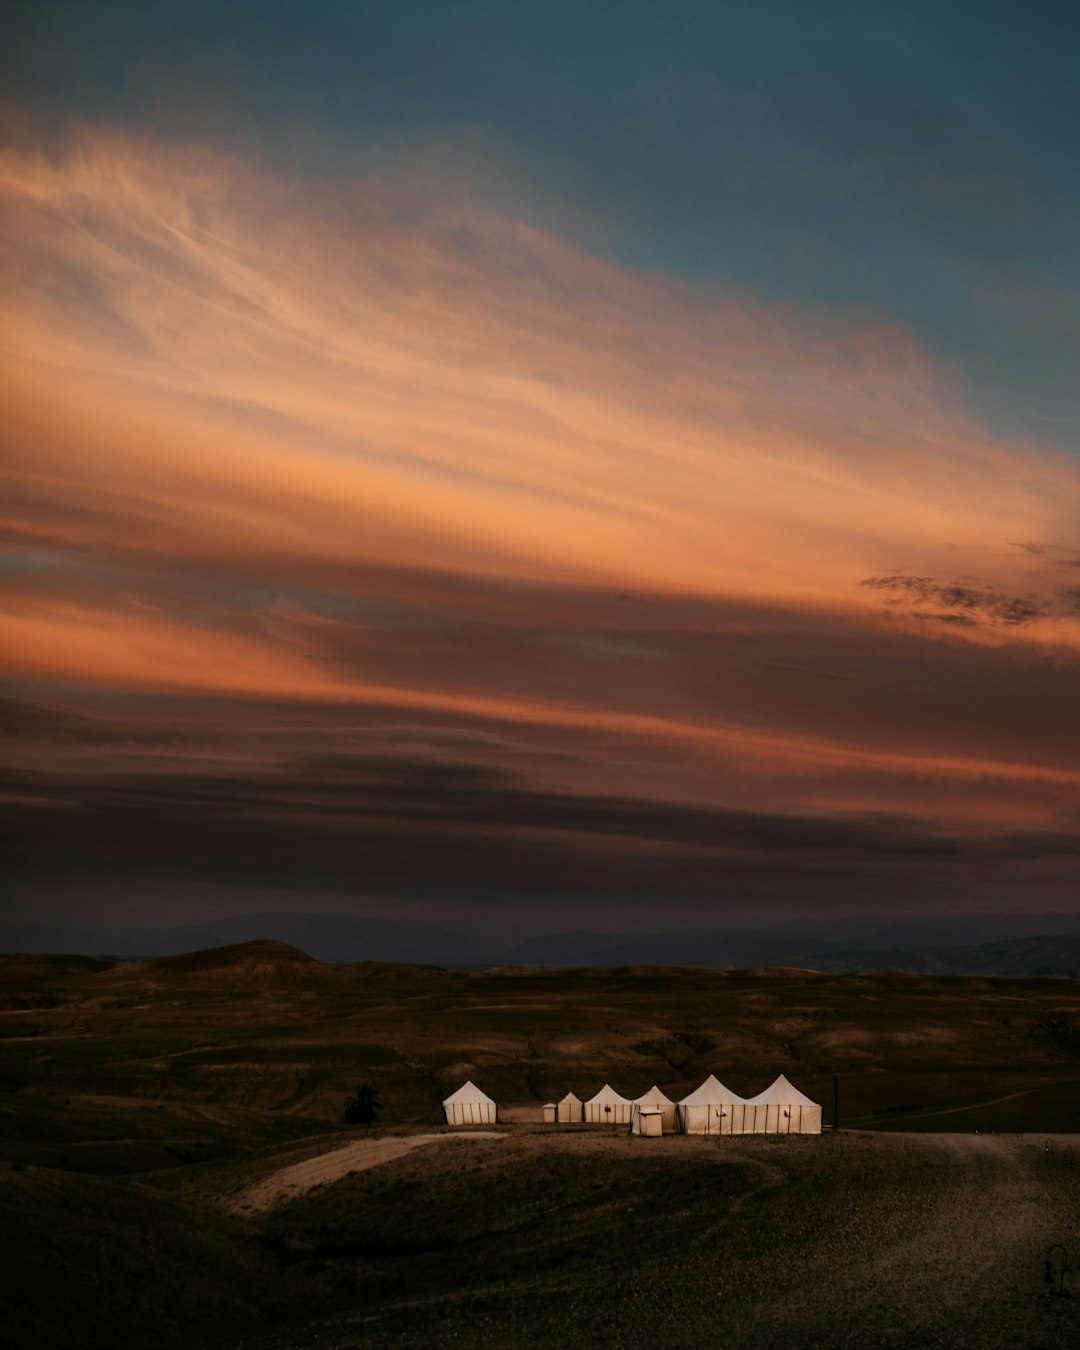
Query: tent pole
835	1102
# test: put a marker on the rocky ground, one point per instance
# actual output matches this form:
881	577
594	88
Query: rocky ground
855	1239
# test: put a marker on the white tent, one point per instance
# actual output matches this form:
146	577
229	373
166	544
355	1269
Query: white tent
781	1109
709	1110
469	1106
654	1099
568	1111
608	1108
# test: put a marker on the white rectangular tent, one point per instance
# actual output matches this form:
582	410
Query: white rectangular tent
569	1111
608	1108
469	1106
654	1100
710	1109
780	1109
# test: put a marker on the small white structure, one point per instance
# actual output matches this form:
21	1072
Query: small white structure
608	1108
781	1109
569	1110
550	1111
654	1100
469	1106
648	1121
710	1109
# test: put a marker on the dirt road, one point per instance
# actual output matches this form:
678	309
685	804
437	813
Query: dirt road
855	1240
944	1246
295	1180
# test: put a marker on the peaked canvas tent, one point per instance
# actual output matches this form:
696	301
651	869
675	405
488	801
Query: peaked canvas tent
469	1106
608	1108
568	1111
654	1100
781	1109
710	1109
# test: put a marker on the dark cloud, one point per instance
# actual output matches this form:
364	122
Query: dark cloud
957	620
1054	554
22	720
744	703
354	824
119	790
965	602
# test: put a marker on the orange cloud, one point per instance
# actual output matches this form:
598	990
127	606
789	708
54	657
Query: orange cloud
216	382
472	393
129	648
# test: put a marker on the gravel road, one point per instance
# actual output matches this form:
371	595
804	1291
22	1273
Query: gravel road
855	1240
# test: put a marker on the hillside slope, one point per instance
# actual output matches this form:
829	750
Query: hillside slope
263	1028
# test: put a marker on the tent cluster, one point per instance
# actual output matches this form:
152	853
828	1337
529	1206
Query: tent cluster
780	1109
711	1109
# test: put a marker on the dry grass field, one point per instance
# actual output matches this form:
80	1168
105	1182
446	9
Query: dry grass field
171	1165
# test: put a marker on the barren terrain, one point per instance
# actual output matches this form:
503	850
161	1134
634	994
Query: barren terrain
173	1167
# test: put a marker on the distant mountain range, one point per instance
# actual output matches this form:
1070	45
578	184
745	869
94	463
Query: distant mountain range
1034	957
987	945
1056	955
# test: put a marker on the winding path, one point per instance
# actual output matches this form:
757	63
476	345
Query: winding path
298	1178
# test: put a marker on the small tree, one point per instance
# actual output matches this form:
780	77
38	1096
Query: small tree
360	1110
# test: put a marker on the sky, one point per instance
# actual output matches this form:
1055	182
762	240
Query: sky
524	468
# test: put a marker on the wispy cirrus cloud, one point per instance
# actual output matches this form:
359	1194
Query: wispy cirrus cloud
345	446
356	371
